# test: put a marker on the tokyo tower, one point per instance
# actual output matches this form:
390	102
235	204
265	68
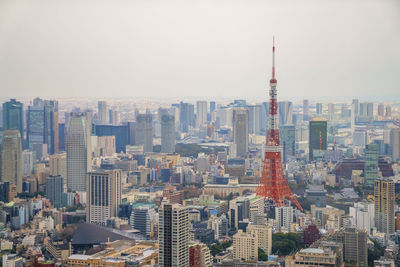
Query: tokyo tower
273	183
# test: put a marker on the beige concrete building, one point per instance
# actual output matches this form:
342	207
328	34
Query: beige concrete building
312	257
245	246
11	158
384	205
264	234
58	165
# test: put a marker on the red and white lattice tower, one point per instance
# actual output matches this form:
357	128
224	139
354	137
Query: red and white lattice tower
273	183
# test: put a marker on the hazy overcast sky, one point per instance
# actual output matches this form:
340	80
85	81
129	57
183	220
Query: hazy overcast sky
326	49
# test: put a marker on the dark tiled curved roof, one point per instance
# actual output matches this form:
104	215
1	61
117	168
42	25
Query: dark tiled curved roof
89	234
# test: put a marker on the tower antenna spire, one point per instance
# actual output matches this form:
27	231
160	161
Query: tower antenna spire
273	57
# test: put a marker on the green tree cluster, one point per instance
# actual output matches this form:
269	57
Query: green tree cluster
285	244
262	256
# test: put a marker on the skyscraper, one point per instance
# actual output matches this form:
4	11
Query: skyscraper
356	106
58	165
173	236
241	131
114	116
55	190
102	112
317	137
306	110
103	195
122	133
254	118
366	112
77	152
212	108
13	118
11	158
186	116
331	111
318	109
42	124
285	110
371	165
381	110
201	112
144	132
167	133
384	205
395	143
288	141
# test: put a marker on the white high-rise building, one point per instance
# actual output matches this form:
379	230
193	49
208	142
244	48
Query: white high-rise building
102	112
363	215
104	190
285	110
201	112
173	236
77	152
284	218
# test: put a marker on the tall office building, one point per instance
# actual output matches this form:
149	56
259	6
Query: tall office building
288	141
264	117
388	111
241	131
55	190
27	163
285	111
144	132
102	112
318	109
331	111
318	134
201	112
366	112
11	158
384	205
284	218
395	143
306	110
103	196
58	165
356	105
254	119
186	116
355	246
123	134
212	108
371	165
115	118
167	134
381	110
143	218
42	124
13	117
173	236
77	152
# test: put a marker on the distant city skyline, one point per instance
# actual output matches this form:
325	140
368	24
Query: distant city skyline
328	50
